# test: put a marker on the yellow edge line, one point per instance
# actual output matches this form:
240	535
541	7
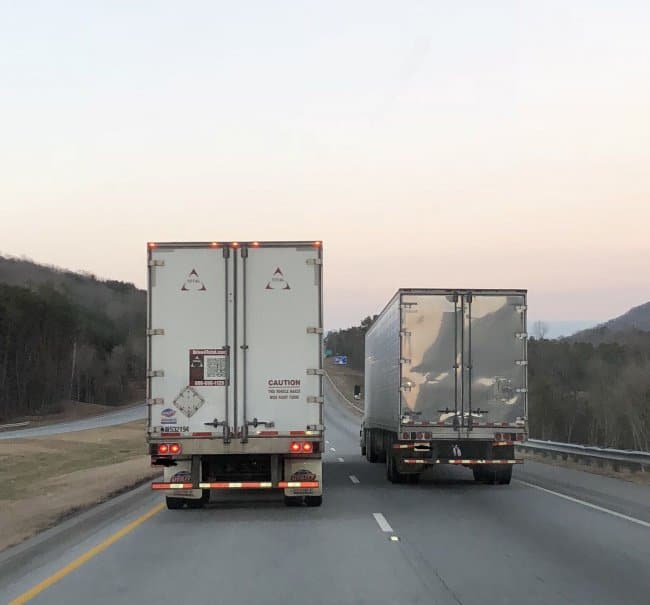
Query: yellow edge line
79	561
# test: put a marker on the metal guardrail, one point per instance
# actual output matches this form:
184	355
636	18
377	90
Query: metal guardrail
635	461
14	425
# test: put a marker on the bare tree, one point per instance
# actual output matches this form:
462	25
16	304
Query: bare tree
540	330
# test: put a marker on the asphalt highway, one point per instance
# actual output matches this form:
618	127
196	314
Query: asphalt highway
94	422
553	536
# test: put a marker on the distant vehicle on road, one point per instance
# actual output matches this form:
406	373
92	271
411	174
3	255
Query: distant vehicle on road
234	373
446	383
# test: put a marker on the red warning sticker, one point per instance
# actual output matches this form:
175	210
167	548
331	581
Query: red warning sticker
208	367
277	281
193	282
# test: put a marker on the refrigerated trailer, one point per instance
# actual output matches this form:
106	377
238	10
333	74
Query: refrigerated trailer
234	368
446	382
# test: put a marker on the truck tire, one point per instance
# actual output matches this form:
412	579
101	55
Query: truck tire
313	500
293	500
413	478
478	473
392	474
175	503
200	502
504	475
371	453
382	438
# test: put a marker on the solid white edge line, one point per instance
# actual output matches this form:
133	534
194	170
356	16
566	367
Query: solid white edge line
341	459
354	479
587	504
381	521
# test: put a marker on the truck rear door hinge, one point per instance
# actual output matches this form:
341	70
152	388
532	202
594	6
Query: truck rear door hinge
312	330
315	372
156	263
156	401
523	390
408	305
521	362
156	332
521	335
521	308
404	360
314	261
313	399
155	373
404	332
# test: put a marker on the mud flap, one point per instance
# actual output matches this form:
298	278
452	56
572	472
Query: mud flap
181	473
303	470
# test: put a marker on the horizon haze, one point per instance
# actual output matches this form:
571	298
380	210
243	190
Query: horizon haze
428	144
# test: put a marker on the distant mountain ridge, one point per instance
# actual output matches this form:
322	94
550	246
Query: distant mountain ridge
626	328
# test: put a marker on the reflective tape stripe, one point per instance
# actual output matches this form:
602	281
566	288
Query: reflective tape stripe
460	461
202	434
170	434
236	485
298	484
171	486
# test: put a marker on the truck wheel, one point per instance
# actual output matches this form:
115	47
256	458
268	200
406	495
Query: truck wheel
313	500
392	473
381	452
413	478
478	473
293	500
371	453
504	475
200	502
175	503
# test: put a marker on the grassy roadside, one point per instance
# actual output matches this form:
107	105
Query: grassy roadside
43	479
344	379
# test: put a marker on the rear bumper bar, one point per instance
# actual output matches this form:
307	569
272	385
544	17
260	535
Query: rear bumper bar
238	485
459	461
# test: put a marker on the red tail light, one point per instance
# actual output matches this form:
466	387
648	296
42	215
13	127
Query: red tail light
520	436
175	448
163	449
307	447
295	447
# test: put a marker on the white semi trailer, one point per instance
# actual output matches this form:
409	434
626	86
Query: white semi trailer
446	382
234	369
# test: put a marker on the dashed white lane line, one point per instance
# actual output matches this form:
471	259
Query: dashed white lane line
354	479
587	504
332	449
340	459
327	442
381	521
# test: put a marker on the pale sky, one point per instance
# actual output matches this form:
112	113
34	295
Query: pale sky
428	144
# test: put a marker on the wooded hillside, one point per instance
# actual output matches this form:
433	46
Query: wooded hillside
65	335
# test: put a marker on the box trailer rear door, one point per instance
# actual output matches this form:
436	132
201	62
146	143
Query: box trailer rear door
279	328
463	358
188	339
